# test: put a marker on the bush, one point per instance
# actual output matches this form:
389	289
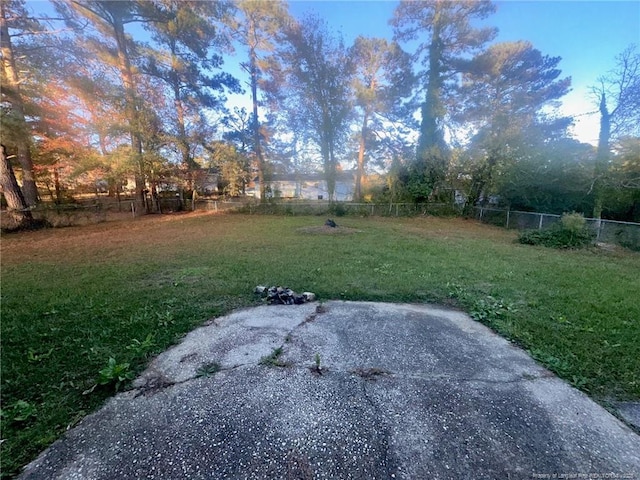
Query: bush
570	232
337	209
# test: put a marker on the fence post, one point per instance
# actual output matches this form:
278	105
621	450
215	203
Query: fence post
600	223
540	223
508	212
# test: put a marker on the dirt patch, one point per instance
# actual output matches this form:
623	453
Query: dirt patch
326	230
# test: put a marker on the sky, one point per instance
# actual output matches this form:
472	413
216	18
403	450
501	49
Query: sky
587	35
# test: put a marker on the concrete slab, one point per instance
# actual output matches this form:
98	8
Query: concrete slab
404	391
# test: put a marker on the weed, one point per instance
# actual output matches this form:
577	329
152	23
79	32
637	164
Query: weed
20	411
456	291
489	309
38	357
165	319
316	369
208	369
142	347
273	360
555	364
113	374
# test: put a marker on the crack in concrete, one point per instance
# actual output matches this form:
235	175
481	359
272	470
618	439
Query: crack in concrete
368	374
385	435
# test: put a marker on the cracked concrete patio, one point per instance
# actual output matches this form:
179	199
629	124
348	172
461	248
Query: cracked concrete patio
405	391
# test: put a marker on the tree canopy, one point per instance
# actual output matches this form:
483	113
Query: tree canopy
108	91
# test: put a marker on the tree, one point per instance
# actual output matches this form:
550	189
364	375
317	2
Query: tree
232	166
621	189
13	195
110	42
618	97
259	23
13	16
445	31
549	176
382	79
186	32
318	72
505	91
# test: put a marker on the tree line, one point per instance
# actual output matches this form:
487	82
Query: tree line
109	90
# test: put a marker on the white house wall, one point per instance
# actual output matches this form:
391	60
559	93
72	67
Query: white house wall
310	190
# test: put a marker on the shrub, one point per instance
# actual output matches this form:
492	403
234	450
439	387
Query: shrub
573	222
570	232
338	209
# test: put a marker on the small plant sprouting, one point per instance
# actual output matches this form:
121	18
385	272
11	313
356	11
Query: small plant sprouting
316	369
273	359
208	369
114	373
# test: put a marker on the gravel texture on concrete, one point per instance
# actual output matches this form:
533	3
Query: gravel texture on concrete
363	390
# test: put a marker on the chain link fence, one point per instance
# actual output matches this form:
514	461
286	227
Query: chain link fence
338	209
626	234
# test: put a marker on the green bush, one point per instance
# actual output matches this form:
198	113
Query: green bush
570	232
337	209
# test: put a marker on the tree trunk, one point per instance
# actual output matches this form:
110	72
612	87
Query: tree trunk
602	157
357	194
124	64
183	143
56	185
12	91
253	67
330	171
15	201
431	151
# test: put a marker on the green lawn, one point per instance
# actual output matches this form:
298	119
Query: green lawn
73	298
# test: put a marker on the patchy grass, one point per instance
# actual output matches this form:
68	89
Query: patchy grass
74	298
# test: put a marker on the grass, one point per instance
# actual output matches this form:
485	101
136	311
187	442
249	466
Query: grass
75	298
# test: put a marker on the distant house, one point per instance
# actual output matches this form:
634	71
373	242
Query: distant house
311	186
206	180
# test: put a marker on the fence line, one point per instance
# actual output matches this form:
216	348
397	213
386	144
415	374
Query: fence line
626	234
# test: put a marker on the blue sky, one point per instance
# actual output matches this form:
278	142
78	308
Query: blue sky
586	34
